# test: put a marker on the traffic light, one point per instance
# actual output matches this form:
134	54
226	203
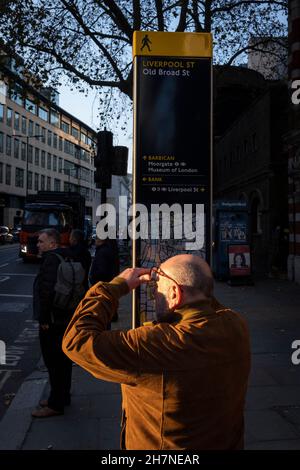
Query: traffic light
119	161
103	159
104	148
109	160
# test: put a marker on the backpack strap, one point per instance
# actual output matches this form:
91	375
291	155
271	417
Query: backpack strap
61	258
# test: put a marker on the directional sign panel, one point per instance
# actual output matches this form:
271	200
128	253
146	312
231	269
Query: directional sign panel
172	131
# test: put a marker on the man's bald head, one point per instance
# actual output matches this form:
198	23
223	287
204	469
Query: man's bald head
191	272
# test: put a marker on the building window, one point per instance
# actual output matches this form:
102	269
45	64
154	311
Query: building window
49	141
43	114
54	163
36	181
1	172
8	145
16	94
23	151
8	175
42	182
84	174
60	165
84	155
30	154
49	161
65	127
9	114
19	178
16	148
55	141
17	122
43	135
37	130
1	142
56	185
30	106
69	147
43	159
37	157
30	128
69	168
83	137
24	125
29	181
75	132
77	152
60	145
48	183
54	118
1	113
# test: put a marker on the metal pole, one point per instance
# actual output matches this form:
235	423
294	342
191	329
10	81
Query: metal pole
26	187
103	196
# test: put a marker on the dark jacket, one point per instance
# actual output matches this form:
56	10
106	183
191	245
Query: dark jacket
43	287
184	383
81	254
106	264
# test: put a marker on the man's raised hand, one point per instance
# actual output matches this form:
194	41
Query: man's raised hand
135	276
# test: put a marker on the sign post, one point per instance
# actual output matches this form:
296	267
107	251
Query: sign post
172	172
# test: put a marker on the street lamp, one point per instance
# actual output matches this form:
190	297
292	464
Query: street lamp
27	137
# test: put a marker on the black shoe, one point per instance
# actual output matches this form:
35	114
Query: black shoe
44	403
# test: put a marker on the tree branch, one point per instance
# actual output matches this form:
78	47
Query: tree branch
255	47
182	20
70	68
160	15
195	15
80	21
231	6
117	16
136	15
207	16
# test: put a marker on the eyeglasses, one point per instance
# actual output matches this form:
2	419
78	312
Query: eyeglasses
156	272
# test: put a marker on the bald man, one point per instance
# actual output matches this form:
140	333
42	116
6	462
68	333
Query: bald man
184	377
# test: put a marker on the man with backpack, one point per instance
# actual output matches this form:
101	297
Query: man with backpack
57	289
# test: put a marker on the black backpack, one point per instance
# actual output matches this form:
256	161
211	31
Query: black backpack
69	287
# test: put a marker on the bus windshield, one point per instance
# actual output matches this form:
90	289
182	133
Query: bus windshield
45	218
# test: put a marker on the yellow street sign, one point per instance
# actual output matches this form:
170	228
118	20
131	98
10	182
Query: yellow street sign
157	43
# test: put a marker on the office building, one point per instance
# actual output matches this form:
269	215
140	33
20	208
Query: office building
42	147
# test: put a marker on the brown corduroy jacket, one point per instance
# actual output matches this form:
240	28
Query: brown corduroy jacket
183	383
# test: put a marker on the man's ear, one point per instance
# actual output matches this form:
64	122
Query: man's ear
175	295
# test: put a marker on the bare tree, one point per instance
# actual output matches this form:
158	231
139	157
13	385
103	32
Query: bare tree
89	41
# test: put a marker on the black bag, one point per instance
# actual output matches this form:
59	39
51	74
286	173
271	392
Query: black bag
69	288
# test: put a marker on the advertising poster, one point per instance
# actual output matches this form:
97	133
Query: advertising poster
239	260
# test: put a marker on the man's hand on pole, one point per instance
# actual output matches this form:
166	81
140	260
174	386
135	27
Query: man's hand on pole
135	276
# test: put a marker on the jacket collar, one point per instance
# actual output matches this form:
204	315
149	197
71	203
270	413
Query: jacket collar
200	309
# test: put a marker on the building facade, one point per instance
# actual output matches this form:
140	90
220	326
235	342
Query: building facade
251	165
42	147
292	139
